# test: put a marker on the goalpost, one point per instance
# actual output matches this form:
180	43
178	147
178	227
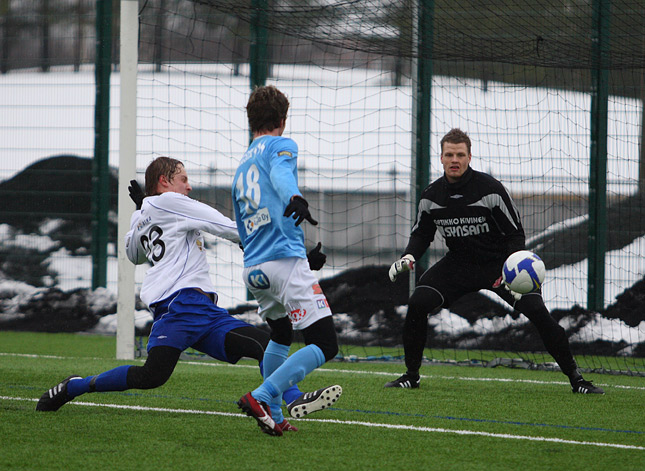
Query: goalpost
127	171
348	69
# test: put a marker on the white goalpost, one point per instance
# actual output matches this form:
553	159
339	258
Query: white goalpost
127	171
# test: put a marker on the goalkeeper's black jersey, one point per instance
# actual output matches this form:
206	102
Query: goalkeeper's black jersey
476	216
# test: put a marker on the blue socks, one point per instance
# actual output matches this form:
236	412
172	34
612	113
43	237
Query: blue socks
274	356
111	380
291	394
291	372
281	375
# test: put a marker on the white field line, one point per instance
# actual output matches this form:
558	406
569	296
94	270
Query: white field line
355	423
338	370
460	378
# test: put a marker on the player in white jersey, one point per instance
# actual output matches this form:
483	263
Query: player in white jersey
166	231
265	197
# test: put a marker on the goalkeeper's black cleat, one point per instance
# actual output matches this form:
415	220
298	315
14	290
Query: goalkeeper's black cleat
583	386
406	381
54	398
314	401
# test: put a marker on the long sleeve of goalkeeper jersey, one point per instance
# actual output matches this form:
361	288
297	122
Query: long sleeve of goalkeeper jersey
417	245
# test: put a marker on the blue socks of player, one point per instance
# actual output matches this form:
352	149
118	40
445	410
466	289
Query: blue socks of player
292	371
111	380
291	394
274	356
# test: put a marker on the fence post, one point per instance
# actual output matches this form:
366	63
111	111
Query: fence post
598	160
100	169
45	59
422	91
5	13
259	39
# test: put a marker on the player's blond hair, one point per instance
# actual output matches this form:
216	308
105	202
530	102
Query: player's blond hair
161	166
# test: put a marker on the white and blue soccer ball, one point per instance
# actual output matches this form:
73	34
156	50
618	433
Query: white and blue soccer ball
523	272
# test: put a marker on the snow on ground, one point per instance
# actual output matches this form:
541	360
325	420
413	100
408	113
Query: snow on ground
564	287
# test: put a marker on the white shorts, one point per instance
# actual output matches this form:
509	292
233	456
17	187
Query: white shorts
287	287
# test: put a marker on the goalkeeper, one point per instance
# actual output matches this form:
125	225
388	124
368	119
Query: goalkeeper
166	231
481	227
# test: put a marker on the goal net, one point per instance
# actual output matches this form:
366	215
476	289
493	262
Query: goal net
516	76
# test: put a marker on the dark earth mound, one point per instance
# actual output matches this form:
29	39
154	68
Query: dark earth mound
58	187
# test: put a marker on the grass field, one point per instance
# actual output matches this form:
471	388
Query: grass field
462	418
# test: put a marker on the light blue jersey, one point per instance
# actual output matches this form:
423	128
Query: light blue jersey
264	183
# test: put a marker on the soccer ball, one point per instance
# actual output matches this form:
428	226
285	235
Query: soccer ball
523	272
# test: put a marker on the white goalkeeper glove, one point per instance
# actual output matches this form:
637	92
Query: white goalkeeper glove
406	263
500	281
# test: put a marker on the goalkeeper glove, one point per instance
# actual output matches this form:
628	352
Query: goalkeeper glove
500	281
316	258
299	207
136	193
404	264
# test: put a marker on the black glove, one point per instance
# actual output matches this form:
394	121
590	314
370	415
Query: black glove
300	210
136	193
316	258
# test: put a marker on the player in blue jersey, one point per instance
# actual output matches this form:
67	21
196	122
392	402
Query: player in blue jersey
269	209
166	230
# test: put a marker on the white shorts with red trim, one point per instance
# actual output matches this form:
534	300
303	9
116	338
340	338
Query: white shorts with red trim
287	287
